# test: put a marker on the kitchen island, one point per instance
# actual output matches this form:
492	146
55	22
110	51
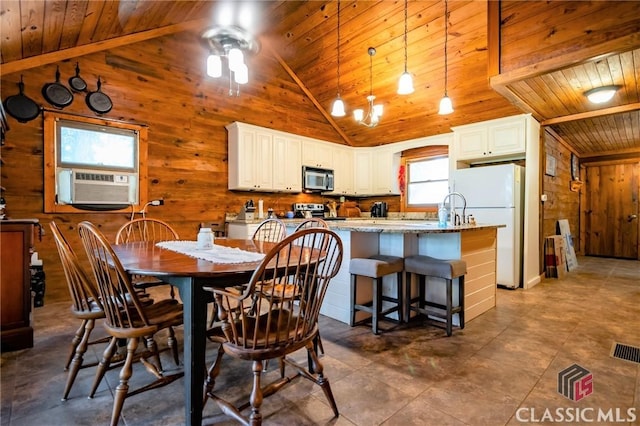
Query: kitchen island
362	238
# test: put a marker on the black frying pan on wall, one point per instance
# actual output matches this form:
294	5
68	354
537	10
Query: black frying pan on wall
76	82
99	102
20	106
57	94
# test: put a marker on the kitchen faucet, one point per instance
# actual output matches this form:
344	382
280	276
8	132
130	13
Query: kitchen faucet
456	220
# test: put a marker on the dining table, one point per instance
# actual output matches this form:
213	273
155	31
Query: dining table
190	275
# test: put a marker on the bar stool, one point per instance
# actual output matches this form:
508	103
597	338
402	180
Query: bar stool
449	270
376	267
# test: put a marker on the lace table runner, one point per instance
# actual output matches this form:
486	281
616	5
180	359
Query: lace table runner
217	254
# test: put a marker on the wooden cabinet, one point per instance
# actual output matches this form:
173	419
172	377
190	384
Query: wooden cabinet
256	158
503	138
16	241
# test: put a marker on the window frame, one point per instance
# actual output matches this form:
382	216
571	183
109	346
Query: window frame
51	160
419	154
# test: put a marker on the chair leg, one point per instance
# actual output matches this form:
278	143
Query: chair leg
407	297
399	297
78	359
74	343
377	303
172	342
461	300
354	283
322	381
123	386
214	371
449	307
103	366
152	346
255	418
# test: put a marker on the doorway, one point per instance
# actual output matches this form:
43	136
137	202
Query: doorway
611	210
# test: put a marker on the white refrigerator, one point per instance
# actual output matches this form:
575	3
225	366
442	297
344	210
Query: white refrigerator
495	195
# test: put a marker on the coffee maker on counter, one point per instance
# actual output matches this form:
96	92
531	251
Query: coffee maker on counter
379	209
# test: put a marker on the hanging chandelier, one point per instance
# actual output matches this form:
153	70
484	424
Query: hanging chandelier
446	107
405	84
230	43
338	105
375	111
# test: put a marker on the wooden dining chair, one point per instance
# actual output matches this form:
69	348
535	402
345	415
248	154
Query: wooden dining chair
146	229
271	230
309	258
85	305
314	222
128	318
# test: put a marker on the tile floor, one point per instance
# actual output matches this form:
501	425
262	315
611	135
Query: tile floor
502	369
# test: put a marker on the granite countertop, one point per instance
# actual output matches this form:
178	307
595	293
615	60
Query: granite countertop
405	226
387	225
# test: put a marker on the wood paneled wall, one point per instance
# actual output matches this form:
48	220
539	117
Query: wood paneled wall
160	83
534	31
561	202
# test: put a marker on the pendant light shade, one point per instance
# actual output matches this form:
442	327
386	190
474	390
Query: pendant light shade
374	112
337	110
446	107
405	84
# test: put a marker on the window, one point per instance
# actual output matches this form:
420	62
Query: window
93	164
427	178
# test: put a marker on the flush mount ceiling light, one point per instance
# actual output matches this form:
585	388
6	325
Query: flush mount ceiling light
600	95
338	106
375	111
446	107
405	84
231	43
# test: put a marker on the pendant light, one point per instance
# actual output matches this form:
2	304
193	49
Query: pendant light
375	111
446	107
338	105
405	84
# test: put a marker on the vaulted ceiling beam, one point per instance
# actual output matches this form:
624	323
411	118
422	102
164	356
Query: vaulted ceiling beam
61	55
306	91
591	114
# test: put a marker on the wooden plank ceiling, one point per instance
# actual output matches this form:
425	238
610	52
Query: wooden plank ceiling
302	36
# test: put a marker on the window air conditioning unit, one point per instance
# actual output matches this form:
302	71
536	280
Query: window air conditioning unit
77	186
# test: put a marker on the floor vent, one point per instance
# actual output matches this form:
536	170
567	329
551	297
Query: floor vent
626	352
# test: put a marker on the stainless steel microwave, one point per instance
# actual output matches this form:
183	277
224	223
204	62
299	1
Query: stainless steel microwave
315	179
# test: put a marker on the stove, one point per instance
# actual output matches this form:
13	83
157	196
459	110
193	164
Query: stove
301	209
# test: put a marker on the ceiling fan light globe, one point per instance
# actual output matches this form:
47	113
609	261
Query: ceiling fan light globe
236	59
214	66
241	75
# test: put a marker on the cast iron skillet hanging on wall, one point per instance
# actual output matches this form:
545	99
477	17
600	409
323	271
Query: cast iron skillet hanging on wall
98	101
20	106
56	93
76	82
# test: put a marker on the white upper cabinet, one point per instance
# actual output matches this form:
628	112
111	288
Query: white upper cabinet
503	138
342	170
384	172
256	158
362	179
317	153
287	167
